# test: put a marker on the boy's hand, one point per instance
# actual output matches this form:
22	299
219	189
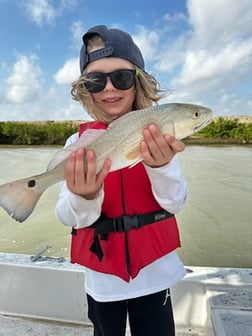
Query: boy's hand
80	173
157	149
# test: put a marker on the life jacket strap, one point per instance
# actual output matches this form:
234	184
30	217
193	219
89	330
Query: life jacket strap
103	226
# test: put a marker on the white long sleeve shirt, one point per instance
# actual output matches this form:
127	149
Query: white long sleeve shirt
170	191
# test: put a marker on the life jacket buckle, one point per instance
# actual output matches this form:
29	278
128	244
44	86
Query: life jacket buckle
125	223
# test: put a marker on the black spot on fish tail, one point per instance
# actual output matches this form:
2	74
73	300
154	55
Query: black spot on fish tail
31	183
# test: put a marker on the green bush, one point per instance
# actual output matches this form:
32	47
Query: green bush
47	133
56	133
228	129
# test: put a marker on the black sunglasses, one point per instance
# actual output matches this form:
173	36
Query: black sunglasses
121	79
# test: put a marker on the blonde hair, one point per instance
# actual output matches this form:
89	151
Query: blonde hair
147	89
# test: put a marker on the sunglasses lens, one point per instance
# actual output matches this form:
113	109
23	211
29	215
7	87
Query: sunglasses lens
95	82
121	80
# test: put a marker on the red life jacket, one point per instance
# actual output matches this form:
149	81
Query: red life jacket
126	192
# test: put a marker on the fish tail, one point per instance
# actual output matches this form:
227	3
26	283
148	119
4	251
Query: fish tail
19	198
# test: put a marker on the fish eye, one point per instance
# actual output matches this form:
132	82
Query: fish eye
196	115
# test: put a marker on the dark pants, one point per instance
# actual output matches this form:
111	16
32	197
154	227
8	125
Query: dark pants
150	315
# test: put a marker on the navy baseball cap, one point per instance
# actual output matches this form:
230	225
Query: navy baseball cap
117	42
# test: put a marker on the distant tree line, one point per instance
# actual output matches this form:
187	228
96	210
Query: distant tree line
56	133
43	133
222	129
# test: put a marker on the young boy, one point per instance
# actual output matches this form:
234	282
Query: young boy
124	229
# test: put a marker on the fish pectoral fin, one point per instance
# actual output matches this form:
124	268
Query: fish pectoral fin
83	141
19	198
134	154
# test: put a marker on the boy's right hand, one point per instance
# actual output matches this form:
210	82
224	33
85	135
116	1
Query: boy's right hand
80	173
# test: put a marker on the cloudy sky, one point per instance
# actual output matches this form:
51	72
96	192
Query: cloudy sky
199	50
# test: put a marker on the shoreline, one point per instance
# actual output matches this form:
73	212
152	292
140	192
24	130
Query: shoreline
216	141
188	141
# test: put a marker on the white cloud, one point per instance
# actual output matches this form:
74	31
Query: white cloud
44	11
54	103
40	11
74	111
24	82
204	58
69	72
147	40
213	58
77	31
218	22
163	44
172	55
230	62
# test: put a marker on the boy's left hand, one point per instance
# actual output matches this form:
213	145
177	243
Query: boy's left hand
157	149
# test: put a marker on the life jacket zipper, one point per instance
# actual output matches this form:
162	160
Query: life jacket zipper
127	259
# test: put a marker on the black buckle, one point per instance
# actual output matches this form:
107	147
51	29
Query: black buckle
125	223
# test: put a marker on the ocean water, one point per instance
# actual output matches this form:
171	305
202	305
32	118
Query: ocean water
215	226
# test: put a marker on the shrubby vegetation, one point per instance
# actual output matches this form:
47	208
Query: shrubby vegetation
46	133
222	128
56	133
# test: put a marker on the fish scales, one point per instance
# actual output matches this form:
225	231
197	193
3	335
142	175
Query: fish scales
121	142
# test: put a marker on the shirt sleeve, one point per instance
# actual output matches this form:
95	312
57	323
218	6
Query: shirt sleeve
76	211
168	186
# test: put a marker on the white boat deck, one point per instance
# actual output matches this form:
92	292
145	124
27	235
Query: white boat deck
47	298
10	326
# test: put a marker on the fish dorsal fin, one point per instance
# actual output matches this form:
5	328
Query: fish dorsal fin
83	141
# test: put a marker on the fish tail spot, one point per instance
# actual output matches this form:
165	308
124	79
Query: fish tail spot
31	183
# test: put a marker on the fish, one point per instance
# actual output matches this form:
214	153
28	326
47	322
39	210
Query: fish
120	142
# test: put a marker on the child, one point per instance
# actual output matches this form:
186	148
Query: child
124	228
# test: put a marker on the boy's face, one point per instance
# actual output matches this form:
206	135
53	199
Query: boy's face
111	100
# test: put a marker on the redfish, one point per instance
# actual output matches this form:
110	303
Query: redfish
120	142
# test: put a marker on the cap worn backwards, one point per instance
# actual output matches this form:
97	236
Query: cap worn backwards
117	44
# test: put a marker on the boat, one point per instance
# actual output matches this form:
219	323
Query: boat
42	295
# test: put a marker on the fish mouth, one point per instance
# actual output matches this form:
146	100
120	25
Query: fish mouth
202	125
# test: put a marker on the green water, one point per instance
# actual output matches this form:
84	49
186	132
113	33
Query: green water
215	226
